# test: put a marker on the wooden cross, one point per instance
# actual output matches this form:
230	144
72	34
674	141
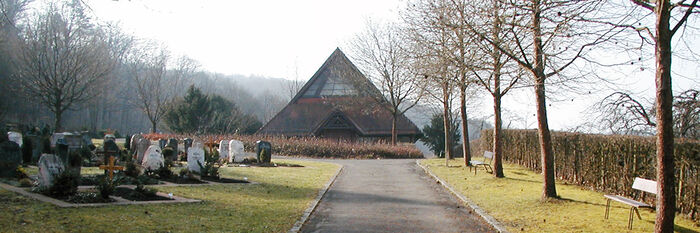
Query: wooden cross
111	168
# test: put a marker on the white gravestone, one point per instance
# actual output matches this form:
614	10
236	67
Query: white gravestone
141	148
195	154
15	137
153	158
236	153
223	150
50	166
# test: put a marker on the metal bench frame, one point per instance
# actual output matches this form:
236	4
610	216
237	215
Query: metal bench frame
487	166
639	184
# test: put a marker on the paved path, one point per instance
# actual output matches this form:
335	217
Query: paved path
390	196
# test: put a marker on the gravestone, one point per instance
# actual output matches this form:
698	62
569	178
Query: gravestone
37	146
162	142
50	166
195	154
141	148
62	150
15	137
188	144
263	147
74	141
55	137
134	142
110	146
172	143
87	141
153	158
223	150
236	152
10	158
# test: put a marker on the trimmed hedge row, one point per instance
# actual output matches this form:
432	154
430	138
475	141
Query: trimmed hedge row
311	147
607	163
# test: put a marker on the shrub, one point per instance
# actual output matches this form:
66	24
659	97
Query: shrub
21	173
65	184
26	182
132	170
106	187
264	156
164	172
210	167
249	160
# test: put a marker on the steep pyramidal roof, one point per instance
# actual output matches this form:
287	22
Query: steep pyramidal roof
335	98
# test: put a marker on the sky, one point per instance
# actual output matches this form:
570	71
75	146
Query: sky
281	39
291	39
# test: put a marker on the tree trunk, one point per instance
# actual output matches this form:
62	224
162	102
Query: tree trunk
549	189
665	198
153	126
57	123
446	123
393	128
497	143
465	125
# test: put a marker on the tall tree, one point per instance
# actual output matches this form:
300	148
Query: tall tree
663	10
492	68
147	68
548	37
380	53
431	47
63	59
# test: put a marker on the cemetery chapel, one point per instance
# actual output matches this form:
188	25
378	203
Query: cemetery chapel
339	102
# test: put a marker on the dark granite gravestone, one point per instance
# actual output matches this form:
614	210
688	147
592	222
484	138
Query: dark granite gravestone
188	143
111	149
263	147
62	150
172	143
10	158
162	142
134	142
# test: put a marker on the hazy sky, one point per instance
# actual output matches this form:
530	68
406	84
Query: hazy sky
283	39
268	38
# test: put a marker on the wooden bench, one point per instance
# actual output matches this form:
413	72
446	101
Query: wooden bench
639	184
477	163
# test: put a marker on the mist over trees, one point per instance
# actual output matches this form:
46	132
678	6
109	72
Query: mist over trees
61	67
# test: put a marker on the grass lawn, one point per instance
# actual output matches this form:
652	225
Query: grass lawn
515	202
272	205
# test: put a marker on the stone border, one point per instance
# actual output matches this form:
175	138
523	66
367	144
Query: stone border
119	200
488	218
309	210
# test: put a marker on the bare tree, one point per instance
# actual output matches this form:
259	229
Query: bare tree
63	59
547	37
431	48
666	12
380	53
148	67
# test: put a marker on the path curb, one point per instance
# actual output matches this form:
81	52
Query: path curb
309	210
488	218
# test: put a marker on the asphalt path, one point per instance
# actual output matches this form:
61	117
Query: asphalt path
390	196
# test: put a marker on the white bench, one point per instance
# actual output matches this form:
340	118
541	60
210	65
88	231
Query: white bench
639	184
477	163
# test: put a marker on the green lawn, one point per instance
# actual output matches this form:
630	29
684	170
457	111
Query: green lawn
272	205
515	202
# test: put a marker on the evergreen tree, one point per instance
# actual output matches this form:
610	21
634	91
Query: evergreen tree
434	134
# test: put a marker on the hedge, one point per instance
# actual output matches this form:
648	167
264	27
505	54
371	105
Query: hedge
311	147
607	163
